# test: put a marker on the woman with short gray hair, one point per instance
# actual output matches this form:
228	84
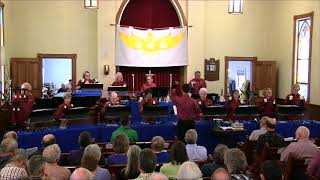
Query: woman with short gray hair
189	171
236	163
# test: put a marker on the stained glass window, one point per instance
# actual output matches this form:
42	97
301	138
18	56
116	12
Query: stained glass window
302	59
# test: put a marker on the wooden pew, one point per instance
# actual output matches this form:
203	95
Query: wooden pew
294	169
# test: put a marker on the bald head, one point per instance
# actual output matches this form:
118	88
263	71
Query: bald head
302	133
10	134
52	153
81	174
48	140
271	124
220	174
113	98
157	176
27	86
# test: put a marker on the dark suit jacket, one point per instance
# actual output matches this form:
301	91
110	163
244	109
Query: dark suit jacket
75	156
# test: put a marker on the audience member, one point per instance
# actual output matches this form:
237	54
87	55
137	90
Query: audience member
303	148
120	147
125	129
52	155
313	168
195	152
11	134
220	174
178	155
81	174
147	163
157	145
236	164
46	141
218	162
157	176
132	169
75	156
8	149
15	168
36	167
263	129
271	170
270	137
189	171
90	160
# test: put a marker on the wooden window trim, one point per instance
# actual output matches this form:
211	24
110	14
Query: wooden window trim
68	56
294	67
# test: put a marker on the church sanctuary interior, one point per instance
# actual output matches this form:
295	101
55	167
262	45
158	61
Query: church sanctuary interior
160	89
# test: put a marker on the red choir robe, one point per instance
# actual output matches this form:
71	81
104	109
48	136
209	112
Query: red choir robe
149	102
108	104
83	81
231	107
267	107
119	83
146	86
187	107
296	100
203	104
59	114
197	84
21	109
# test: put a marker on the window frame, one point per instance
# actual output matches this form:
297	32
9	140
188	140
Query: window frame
232	11
295	51
2	24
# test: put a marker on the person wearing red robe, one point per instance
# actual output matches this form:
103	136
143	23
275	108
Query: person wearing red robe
119	80
197	83
268	106
203	101
232	105
295	98
147	100
86	80
150	84
112	101
22	104
59	115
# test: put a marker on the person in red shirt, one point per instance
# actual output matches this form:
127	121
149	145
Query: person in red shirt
268	106
119	80
113	100
147	100
232	105
203	101
150	84
59	115
86	80
22	104
295	98
197	83
188	110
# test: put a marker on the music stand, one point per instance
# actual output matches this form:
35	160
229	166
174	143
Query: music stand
91	87
247	111
159	91
290	110
113	113
215	111
76	113
150	114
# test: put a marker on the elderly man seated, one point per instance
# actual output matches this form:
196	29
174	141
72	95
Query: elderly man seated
81	173
203	101
8	149
195	152
36	167
47	140
263	129
303	148
157	145
51	155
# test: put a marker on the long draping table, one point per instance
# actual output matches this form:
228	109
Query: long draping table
68	138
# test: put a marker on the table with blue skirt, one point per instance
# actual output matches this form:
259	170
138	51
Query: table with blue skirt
68	138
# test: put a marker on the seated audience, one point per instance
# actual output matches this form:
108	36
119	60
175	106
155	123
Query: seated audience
62	88
147	163
119	80
120	147
178	155
52	155
132	170
157	145
195	152
11	134
47	140
268	106
81	174
303	148
220	174
8	149
90	160
125	129
295	98
218	162
270	137
189	171
313	168
236	164
271	170
263	129
203	101
75	156
232	105
15	168
157	176
86	80
147	100
36	167
113	101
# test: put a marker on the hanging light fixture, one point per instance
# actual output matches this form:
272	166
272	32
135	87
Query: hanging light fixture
91	4
235	6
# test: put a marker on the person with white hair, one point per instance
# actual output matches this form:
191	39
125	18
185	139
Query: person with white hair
303	148
189	171
203	101
263	129
81	174
90	160
10	134
220	174
112	101
52	155
195	152
8	149
157	176
295	98
15	168
118	81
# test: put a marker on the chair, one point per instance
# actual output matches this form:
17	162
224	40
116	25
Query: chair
115	169
64	159
249	149
294	169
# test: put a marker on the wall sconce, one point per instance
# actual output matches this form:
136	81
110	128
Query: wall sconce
91	4
235	6
106	69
